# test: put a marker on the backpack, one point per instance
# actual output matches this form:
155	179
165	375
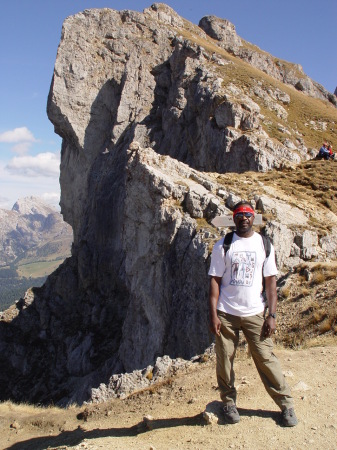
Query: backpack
229	237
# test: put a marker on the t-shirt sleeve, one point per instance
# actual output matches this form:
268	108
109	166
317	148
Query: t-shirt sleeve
217	267
269	266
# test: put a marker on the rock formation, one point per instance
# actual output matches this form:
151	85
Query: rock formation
224	32
148	114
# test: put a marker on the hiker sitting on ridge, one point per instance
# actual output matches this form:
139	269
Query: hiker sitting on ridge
331	154
323	152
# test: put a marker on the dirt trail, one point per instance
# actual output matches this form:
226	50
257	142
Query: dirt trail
176	413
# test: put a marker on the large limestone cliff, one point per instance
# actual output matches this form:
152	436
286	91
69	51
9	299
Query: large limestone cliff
148	112
124	76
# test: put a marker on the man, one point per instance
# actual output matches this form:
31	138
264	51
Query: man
236	303
324	152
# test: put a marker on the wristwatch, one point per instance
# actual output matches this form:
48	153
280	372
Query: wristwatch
273	315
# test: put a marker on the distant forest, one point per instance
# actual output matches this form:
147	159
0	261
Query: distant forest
13	288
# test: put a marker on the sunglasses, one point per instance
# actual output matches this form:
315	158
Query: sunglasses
241	214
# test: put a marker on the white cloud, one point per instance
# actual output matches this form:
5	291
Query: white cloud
15	185
21	148
27	175
4	202
17	135
52	198
43	164
21	137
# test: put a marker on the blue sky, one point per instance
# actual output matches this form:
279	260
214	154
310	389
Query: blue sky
299	31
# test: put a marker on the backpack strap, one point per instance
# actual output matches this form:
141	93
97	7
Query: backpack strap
267	248
267	245
229	237
227	241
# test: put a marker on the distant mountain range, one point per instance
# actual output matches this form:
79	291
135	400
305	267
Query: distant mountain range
34	241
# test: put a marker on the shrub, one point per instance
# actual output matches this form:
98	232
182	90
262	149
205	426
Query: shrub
284	292
318	278
325	326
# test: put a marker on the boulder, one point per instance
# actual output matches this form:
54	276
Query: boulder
222	30
308	243
282	239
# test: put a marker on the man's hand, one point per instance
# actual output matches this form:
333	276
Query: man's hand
215	325
269	327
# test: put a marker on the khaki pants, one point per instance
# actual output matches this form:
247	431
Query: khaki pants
261	349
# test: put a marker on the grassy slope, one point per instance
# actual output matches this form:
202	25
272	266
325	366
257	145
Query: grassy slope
301	110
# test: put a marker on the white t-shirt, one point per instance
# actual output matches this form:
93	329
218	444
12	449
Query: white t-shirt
241	284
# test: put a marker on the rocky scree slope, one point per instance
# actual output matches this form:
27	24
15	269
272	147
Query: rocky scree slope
153	114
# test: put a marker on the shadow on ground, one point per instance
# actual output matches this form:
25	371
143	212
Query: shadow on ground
76	436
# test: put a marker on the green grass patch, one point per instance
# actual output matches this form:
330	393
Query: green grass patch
38	269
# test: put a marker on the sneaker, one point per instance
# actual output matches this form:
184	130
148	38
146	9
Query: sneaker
289	418
231	414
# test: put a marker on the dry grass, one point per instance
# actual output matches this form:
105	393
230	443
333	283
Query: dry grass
285	292
300	109
310	186
30	409
320	272
308	313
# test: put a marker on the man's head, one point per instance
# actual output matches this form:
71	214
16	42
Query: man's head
243	216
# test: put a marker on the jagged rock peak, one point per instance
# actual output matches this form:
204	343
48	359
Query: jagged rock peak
32	205
165	14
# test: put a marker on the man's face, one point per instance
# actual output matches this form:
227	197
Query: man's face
244	222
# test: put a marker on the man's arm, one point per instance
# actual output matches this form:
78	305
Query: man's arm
270	323
214	291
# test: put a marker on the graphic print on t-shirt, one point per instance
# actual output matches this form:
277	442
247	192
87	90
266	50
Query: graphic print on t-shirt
243	267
